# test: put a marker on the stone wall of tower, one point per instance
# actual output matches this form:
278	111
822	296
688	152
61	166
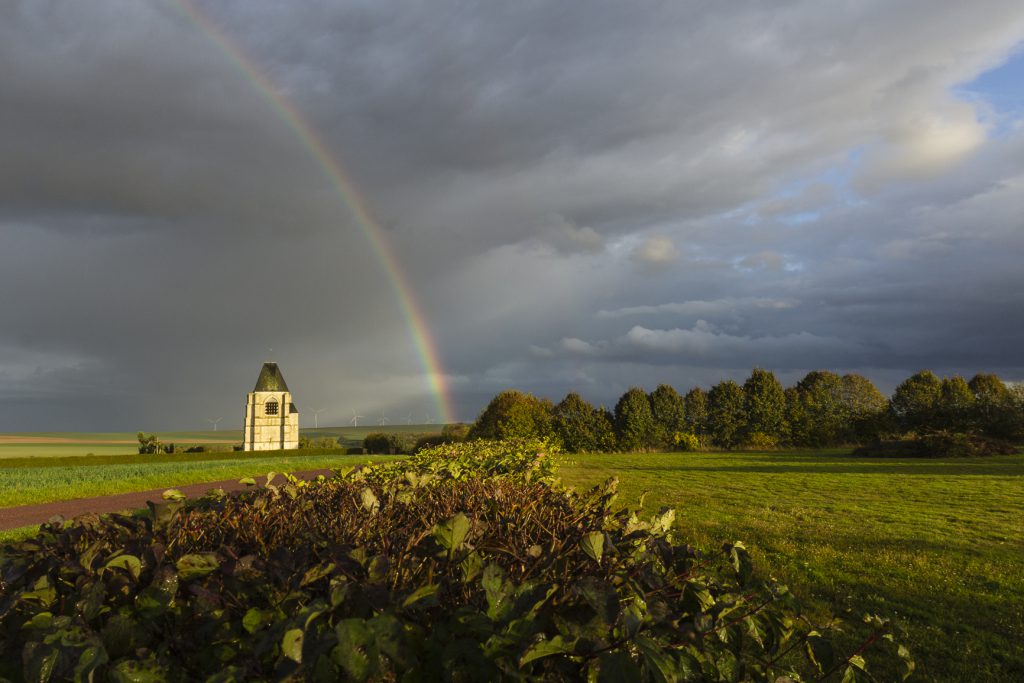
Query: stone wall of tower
265	432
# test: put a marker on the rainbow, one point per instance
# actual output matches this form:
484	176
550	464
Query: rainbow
331	166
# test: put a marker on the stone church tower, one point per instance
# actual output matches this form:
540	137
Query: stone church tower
271	419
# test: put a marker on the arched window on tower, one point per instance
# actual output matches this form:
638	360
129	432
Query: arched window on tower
270	407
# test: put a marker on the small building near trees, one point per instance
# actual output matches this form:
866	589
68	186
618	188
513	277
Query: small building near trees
271	418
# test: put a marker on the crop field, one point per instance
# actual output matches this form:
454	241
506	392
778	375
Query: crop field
935	544
69	444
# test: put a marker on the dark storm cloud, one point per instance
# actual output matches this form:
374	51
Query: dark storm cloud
582	197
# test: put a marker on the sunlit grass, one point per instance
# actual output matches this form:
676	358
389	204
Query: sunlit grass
938	545
25	485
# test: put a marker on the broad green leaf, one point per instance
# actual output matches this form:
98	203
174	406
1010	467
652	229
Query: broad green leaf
255	619
452	532
819	651
39	661
129	563
593	545
196	565
353	636
741	562
118	635
91	659
471	566
662	522
369	500
247	481
316	573
498	591
657	660
420	593
173	494
544	648
291	644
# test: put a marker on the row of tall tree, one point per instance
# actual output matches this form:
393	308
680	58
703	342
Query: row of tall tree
822	409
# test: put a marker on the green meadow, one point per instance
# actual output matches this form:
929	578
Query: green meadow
937	545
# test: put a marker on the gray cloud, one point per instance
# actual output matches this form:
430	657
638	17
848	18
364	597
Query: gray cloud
568	191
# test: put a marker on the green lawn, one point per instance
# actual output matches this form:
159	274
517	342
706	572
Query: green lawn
936	544
39	480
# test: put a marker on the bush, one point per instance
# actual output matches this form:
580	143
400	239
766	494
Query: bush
377	443
429	441
149	443
457	431
196	449
937	445
459	564
759	441
685	441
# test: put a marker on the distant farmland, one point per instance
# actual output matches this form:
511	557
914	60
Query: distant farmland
71	444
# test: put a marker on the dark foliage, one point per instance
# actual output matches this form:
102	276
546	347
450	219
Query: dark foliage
937	445
468	563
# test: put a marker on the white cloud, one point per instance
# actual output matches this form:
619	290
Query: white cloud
577	346
923	144
656	250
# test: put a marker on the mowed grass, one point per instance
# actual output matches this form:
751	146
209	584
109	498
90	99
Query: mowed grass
937	545
41	481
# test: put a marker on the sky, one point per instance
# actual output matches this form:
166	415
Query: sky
577	197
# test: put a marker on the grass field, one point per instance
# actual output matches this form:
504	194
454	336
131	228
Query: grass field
40	480
69	444
937	545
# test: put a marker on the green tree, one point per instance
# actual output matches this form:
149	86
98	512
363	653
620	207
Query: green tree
993	405
513	414
149	443
604	430
580	427
915	400
817	414
455	432
765	404
955	407
634	423
695	411
668	411
865	408
727	417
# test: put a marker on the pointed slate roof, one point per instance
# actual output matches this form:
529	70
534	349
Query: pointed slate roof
271	379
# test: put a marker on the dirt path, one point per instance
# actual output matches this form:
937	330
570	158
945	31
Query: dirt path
24	515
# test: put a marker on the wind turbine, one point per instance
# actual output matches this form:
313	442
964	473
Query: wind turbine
427	419
408	419
316	417
214	422
383	420
355	419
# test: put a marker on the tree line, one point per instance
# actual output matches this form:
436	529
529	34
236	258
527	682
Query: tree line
822	409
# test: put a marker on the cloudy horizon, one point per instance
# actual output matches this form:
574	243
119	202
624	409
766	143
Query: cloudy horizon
581	198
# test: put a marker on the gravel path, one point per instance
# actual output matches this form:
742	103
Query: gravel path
24	515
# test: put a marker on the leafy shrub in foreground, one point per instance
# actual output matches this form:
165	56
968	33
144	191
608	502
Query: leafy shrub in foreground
446	567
